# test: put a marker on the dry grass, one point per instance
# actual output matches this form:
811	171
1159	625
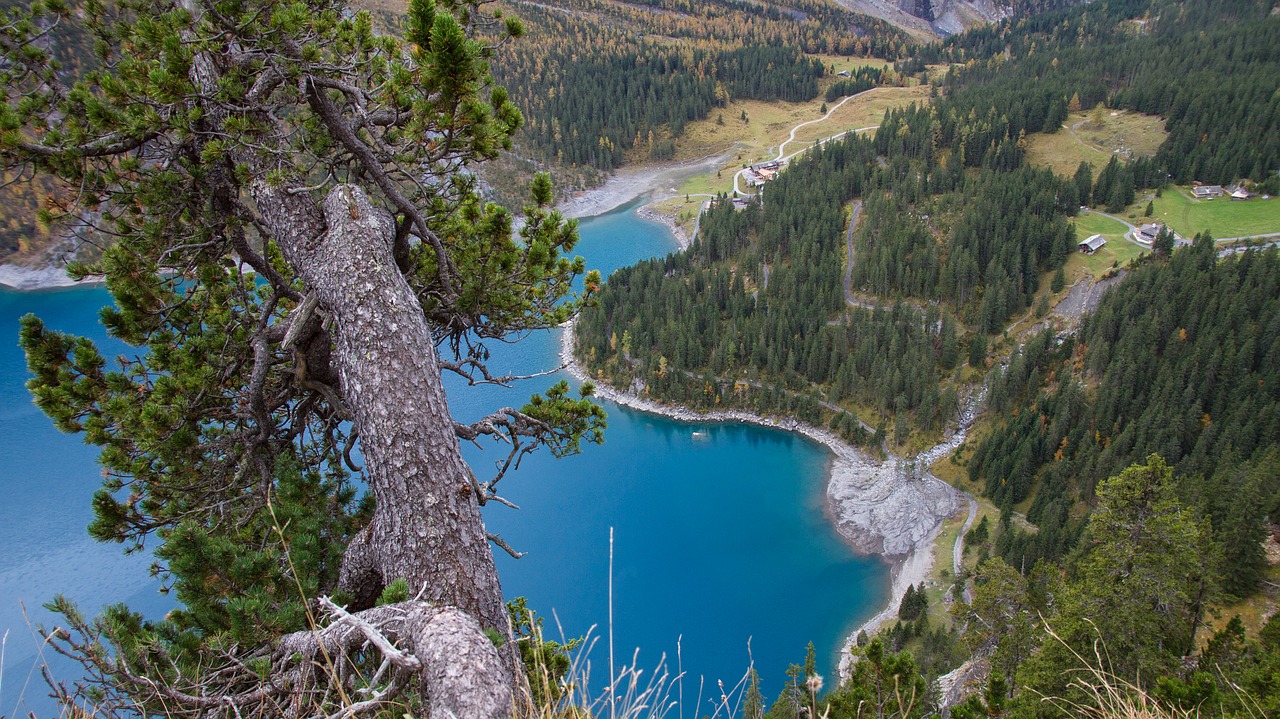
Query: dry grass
1121	133
769	124
1255	610
837	63
684	213
1107	696
866	111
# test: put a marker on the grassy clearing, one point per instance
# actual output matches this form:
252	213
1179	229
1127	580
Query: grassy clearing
1126	132
1257	609
1220	216
684	213
866	111
769	124
954	468
1122	133
837	63
1062	153
938	584
766	125
1116	253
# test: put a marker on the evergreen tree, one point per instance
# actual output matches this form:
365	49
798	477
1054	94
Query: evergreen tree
263	168
1131	591
1163	244
753	700
978	351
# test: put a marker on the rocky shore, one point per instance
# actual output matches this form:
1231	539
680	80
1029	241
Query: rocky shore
627	184
878	507
682	237
18	277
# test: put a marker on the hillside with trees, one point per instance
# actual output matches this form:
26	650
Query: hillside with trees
300	250
753	313
1140	446
604	82
1190	376
1210	69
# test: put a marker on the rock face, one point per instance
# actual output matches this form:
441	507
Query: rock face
931	17
882	508
922	9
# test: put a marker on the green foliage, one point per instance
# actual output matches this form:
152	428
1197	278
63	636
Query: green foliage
1003	616
237	587
1007	227
1189	376
1163	244
599	80
913	604
226	437
978	351
396	591
1207	67
883	685
753	700
546	662
754	295
980	533
861	80
990	704
1131	588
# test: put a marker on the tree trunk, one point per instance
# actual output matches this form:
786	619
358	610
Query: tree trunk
459	668
426	526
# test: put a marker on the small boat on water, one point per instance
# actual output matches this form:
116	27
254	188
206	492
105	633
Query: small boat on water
701	436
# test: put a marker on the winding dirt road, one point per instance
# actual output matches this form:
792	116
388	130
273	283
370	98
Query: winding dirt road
783	158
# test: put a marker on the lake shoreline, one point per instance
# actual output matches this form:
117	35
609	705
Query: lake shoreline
846	466
19	278
861	494
630	183
624	186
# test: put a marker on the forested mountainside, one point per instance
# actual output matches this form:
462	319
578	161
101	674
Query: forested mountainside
1142	446
949	215
601	82
755	295
1208	69
22	196
1181	359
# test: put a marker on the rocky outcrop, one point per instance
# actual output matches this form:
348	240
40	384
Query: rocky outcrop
932	17
883	507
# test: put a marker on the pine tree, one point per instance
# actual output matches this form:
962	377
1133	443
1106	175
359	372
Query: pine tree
1131	590
292	242
753	700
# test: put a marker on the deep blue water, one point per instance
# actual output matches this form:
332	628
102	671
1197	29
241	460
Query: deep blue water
719	543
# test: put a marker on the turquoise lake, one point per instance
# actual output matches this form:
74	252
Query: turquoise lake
720	543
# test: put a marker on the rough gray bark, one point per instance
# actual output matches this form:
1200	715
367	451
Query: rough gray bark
457	665
427	526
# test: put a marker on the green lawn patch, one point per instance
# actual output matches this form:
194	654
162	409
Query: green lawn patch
1220	216
1117	252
